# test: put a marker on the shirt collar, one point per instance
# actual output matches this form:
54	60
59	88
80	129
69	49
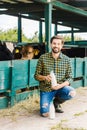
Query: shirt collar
60	56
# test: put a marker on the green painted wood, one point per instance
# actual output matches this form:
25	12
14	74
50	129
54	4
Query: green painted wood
19	29
32	68
22	96
73	67
66	7
19	74
5	75
40	32
4	85
4	65
69	31
55	29
69	8
77	84
3	102
25	95
85	71
72	35
79	67
78	43
48	24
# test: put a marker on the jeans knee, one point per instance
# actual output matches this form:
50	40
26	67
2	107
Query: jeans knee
72	93
44	108
45	105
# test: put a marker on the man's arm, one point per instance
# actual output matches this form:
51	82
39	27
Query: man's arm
68	78
39	72
66	83
44	78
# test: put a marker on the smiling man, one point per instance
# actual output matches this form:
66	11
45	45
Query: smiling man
61	66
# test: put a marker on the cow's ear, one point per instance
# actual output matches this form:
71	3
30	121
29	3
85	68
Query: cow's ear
4	45
0	42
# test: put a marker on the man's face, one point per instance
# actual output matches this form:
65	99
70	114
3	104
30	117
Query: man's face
56	45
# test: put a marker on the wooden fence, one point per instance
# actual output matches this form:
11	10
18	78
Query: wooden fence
19	74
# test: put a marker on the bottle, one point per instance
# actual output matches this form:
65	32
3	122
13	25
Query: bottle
53	79
51	111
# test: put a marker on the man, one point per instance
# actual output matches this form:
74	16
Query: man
61	66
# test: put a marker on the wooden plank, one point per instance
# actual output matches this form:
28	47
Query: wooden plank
19	74
5	77
69	8
25	1
9	1
25	95
85	71
73	67
3	102
79	67
65	7
32	68
77	84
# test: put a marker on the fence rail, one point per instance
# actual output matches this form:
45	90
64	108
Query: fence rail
19	74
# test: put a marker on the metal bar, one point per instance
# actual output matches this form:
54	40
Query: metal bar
48	23
65	7
19	29
40	32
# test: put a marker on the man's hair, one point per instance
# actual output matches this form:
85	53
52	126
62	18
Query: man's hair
57	37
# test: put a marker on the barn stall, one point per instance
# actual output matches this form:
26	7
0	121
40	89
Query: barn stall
19	74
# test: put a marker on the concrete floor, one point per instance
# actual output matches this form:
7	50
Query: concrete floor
73	118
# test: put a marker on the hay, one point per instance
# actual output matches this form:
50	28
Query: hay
23	108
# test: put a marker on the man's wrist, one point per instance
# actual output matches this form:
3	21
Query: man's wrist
44	78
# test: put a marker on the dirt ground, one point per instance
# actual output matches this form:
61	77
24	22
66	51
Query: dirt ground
26	116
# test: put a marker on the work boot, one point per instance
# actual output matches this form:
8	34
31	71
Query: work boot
57	105
59	109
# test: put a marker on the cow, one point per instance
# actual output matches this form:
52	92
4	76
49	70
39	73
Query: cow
5	53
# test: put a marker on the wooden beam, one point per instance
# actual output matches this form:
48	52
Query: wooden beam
65	7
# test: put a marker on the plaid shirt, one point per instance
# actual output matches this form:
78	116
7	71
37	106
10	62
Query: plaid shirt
61	67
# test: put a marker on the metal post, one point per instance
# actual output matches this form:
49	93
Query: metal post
40	32
55	31
72	36
48	24
19	29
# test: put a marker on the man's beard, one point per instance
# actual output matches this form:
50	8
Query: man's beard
55	51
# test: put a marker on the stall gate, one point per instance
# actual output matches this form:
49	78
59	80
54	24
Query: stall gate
19	74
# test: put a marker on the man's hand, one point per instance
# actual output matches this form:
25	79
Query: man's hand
56	87
48	78
66	83
44	78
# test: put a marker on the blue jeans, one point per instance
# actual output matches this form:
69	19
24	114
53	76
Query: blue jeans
47	97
